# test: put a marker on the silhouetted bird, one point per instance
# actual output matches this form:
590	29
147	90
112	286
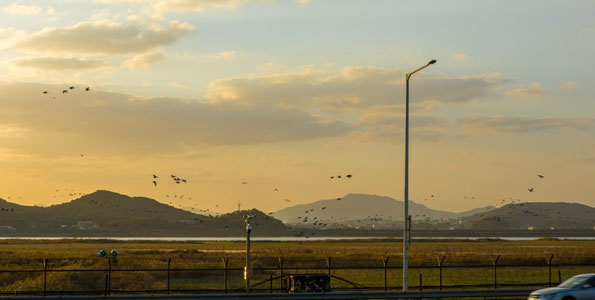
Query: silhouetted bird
87	89
339	176
338	199
332	177
348	176
539	175
71	87
275	190
45	92
154	176
155	182
530	189
244	182
64	91
287	200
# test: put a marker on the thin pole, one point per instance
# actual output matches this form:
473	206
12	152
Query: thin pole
248	263
225	264
45	276
406	232
406	197
168	275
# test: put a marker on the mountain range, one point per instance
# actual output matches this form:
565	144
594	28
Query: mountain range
105	213
363	208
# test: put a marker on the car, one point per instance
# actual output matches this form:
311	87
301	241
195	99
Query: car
579	287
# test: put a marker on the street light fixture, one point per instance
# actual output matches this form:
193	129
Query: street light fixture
406	217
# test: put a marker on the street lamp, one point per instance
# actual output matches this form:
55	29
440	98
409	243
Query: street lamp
248	267
406	217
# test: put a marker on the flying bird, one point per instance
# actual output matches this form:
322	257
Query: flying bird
339	176
540	176
87	89
64	91
155	182
244	182
45	92
332	177
530	189
154	176
287	200
348	176
275	190
71	87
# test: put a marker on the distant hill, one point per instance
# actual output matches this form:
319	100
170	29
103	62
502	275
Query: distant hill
534	216
112	214
362	209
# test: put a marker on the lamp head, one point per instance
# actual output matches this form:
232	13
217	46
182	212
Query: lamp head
433	61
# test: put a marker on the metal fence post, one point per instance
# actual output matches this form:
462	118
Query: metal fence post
225	264
440	264
281	261
495	261
328	263
420	282
106	288
109	275
168	273
549	267
385	264
45	276
271	283
559	276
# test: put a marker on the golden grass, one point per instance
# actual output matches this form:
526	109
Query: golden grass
77	254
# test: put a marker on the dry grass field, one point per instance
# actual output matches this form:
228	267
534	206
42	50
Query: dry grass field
466	263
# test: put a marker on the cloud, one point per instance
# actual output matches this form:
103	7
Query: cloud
533	90
503	124
143	60
104	38
225	55
183	6
197	5
460	56
570	85
384	124
177	85
22	9
269	66
355	87
8	36
59	63
113	123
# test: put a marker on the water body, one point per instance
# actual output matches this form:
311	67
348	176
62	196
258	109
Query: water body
282	239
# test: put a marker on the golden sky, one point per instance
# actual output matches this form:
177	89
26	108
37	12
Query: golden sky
284	94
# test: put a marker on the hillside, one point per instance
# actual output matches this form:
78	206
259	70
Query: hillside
534	216
363	209
112	214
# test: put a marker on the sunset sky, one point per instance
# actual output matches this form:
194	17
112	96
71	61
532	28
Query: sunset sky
285	93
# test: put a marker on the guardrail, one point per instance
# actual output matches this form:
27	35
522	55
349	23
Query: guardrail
524	293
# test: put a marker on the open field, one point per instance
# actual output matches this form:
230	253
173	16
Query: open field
466	263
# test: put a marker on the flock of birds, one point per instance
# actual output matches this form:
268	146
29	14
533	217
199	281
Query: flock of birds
176	179
65	91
